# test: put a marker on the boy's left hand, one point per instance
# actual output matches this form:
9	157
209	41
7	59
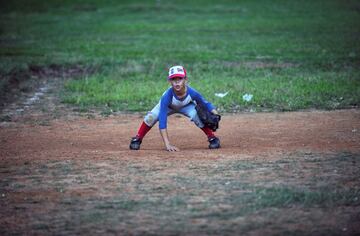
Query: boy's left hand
210	119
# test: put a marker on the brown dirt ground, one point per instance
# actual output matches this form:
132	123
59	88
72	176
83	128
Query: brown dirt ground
246	134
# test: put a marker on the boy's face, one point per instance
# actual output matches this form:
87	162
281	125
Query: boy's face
178	83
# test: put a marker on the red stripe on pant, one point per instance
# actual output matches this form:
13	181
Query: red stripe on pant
209	133
144	128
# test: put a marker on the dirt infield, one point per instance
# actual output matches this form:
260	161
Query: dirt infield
246	134
75	175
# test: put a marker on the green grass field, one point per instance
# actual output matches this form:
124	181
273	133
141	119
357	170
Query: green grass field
290	55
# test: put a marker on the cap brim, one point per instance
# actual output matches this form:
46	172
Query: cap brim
177	75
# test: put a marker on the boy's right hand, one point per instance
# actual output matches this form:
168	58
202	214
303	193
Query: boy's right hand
168	146
172	148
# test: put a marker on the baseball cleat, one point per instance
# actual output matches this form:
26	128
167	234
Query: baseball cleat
214	143
135	143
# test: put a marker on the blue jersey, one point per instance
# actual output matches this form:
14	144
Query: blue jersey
170	100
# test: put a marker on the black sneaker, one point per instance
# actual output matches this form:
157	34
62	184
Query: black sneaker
135	143
214	143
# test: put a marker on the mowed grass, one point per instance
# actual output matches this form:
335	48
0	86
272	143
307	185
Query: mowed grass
298	194
289	55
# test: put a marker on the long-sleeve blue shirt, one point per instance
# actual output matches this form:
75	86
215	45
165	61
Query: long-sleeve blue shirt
170	100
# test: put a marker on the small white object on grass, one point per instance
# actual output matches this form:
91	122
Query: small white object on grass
247	97
221	95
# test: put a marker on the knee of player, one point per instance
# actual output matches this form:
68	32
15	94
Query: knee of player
150	119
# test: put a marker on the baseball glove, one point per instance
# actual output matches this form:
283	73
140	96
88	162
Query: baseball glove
209	119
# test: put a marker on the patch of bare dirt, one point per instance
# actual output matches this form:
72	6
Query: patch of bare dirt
28	94
244	134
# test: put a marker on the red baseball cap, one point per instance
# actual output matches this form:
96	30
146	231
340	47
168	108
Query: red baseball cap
177	71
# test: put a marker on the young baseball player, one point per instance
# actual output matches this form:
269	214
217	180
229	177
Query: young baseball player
179	98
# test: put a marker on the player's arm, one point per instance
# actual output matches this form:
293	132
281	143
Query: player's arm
164	103
200	99
165	138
